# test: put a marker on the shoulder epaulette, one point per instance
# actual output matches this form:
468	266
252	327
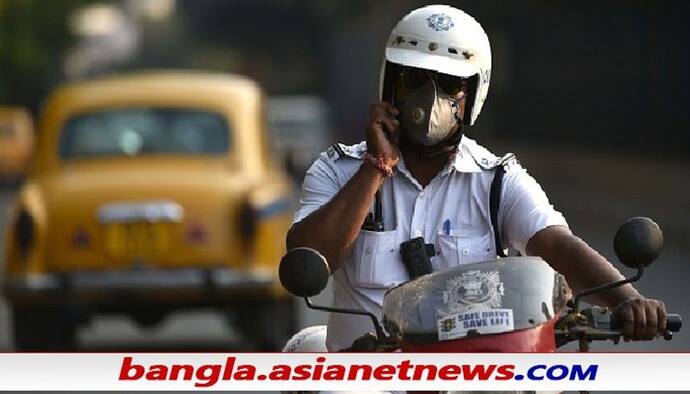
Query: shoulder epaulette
339	150
508	161
334	151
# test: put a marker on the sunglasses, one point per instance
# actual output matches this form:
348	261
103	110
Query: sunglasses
414	78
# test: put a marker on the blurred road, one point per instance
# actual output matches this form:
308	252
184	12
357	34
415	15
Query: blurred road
596	192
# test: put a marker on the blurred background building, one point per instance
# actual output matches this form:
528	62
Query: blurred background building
594	73
592	96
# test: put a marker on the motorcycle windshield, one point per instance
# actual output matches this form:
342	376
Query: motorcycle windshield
491	297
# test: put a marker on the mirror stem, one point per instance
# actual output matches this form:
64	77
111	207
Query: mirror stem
584	293
380	335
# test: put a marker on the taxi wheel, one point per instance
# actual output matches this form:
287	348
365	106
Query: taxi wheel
268	325
43	328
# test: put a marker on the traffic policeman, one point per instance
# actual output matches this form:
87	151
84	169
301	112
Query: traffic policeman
418	175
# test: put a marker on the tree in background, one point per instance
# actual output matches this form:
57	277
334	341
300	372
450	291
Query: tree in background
34	36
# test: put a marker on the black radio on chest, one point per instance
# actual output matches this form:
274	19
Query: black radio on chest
416	256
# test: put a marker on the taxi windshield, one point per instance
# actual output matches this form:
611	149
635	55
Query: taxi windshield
144	131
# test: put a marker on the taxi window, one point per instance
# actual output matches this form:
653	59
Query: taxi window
143	131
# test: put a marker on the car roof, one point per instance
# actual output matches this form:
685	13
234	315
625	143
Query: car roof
165	87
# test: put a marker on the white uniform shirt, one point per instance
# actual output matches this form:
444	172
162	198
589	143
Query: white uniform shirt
452	212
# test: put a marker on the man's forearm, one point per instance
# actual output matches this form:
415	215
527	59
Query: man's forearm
581	265
334	227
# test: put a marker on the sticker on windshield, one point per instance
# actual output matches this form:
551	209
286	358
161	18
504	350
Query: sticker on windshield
482	321
474	290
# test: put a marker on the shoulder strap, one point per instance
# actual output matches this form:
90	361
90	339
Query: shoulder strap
495	199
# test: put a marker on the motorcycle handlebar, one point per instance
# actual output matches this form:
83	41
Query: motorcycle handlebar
674	322
601	324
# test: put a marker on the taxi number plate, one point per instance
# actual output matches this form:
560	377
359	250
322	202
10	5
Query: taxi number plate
137	238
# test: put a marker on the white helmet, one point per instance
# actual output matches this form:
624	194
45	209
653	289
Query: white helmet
443	39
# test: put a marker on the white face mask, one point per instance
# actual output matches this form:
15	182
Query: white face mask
428	114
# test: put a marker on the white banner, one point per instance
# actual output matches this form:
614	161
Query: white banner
346	372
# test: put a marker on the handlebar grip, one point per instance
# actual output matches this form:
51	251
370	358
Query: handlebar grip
674	322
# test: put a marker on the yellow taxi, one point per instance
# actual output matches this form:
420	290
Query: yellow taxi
16	138
148	193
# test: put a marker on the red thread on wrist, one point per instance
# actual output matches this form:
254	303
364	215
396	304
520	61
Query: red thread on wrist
379	164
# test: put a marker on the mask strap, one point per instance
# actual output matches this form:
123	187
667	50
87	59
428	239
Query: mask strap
456	111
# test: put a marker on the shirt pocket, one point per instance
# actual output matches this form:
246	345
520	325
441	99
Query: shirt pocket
377	260
463	246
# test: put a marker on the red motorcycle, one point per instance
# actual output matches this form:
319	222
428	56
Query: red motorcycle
513	304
